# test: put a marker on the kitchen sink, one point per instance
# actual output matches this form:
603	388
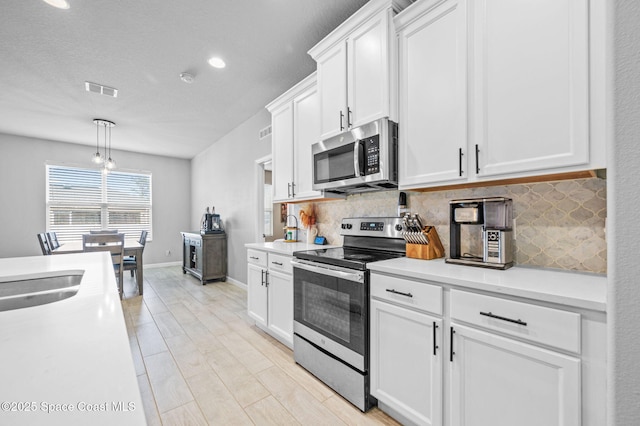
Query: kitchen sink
23	291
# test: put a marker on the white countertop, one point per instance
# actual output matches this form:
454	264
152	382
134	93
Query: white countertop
74	353
281	247
579	290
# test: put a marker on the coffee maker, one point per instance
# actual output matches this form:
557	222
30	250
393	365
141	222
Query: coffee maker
211	223
481	232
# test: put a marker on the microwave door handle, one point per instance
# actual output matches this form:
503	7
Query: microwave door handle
358	151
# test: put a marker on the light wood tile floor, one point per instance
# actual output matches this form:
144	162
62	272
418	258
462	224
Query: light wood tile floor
201	360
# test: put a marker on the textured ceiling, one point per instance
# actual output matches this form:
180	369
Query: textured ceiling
140	47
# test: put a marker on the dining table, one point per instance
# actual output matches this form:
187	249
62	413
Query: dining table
131	248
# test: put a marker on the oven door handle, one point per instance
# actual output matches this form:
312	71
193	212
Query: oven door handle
357	276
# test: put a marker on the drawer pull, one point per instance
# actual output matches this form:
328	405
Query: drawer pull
391	290
490	315
277	263
254	258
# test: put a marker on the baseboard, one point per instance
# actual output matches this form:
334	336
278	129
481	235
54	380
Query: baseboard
236	283
162	265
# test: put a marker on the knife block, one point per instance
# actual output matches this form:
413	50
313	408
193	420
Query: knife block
433	250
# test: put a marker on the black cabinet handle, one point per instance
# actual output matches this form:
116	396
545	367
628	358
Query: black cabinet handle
341	117
277	263
435	346
391	290
349	117
490	315
293	189
254	258
266	278
289	190
451	352
477	161
460	154
262	277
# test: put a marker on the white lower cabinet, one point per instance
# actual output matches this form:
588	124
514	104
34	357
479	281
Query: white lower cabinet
443	356
270	293
406	362
406	348
280	304
497	381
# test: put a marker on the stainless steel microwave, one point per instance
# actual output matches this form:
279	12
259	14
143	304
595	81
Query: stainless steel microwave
363	159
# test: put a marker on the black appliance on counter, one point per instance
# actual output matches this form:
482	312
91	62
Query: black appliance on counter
331	305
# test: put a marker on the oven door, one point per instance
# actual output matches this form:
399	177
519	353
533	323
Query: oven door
331	309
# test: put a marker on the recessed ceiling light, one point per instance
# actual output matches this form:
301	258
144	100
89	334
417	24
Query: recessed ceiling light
217	62
60	4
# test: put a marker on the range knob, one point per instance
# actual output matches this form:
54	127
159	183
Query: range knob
398	227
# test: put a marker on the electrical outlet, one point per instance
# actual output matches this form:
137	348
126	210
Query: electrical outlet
167	253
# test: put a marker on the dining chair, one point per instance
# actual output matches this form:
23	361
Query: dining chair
103	231
113	243
44	244
52	238
130	262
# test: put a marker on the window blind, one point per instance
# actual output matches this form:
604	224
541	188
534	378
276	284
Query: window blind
80	200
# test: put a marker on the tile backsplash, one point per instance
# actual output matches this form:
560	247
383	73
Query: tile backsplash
558	224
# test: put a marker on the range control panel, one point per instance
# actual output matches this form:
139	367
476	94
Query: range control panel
390	227
372	226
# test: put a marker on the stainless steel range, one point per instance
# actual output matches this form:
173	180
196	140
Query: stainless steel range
331	305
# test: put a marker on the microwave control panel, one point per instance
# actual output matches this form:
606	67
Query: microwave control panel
372	154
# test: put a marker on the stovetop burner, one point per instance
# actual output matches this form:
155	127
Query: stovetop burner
346	257
366	239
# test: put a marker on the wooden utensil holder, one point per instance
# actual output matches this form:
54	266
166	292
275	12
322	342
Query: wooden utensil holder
433	250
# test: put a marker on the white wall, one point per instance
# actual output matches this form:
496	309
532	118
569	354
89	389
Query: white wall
623	197
224	176
22	187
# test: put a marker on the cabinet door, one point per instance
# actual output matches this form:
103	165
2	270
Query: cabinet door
433	96
368	71
531	84
257	294
332	85
502	382
281	305
282	148
306	129
406	369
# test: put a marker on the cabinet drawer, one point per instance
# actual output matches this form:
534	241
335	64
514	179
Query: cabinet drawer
257	257
278	262
418	295
547	326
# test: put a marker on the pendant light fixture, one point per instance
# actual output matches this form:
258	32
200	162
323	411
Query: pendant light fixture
106	160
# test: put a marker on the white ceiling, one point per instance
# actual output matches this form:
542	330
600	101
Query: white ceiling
140	47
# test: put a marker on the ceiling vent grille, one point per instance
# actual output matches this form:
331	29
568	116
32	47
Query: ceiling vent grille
265	132
100	89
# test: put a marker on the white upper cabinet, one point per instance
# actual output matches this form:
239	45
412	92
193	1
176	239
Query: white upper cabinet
306	128
332	71
295	121
356	69
433	104
500	89
282	150
531	80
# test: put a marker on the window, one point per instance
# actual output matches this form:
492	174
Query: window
80	200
